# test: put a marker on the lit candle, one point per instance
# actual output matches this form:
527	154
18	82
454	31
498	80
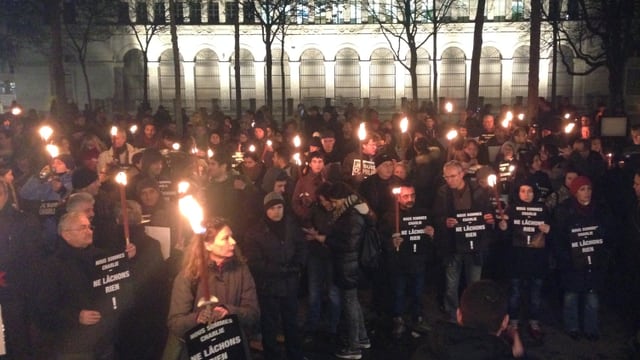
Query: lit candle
133	129
404	125
452	134
567	116
521	116
296	141
492	180
121	179
16	110
45	133
175	146
52	150
264	150
448	107
209	153
190	209
252	148
569	128
362	131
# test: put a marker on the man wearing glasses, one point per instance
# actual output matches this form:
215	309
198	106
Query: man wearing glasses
462	212
78	319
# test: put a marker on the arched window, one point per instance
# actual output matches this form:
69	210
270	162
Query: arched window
453	76
520	73
347	76
276	76
312	77
247	76
133	78
207	78
166	73
564	81
491	76
423	72
382	78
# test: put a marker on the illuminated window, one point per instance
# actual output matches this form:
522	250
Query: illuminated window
312	77
382	76
520	73
423	72
247	76
159	13
166	73
491	76
453	75
133	78
347	76
276	75
207	78
517	10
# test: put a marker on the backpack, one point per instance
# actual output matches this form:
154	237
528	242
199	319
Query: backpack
370	254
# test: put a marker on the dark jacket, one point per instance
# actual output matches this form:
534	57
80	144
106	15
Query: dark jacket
377	193
275	262
344	242
576	274
65	288
454	342
444	208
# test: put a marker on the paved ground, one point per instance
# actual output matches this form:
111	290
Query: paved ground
614	342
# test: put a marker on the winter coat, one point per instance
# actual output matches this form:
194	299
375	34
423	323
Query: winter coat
578	274
274	262
444	208
344	242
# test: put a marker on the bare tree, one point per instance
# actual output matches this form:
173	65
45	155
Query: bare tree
88	21
272	17
405	26
56	59
534	59
144	29
177	101
601	34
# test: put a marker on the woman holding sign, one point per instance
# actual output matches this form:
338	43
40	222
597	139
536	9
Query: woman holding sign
583	231
526	225
225	277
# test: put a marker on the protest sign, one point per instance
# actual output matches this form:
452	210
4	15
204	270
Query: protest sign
113	272
587	246
526	220
469	230
412	232
220	340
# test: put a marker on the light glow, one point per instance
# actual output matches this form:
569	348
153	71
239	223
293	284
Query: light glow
452	134
121	178
45	132
404	125
190	209
52	150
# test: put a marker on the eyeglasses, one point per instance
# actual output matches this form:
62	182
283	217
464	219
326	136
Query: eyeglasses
447	177
83	228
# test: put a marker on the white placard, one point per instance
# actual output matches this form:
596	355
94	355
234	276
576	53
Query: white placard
163	235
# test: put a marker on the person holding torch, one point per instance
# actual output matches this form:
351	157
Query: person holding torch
407	233
214	277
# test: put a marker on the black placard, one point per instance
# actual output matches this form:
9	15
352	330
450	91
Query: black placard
167	189
114	273
468	231
587	246
48	208
412	232
526	220
217	341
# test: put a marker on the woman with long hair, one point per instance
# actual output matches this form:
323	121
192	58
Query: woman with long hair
214	282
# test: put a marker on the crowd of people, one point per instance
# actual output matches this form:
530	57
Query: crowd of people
493	204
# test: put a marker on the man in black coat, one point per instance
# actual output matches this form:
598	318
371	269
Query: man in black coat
463	216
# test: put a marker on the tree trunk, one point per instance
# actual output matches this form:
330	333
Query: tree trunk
534	60
269	63
474	80
177	102
283	78
236	65
56	59
413	72
435	60
87	83
145	81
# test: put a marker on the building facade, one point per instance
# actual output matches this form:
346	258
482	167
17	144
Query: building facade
331	51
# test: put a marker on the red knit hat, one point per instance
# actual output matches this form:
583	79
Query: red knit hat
577	183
